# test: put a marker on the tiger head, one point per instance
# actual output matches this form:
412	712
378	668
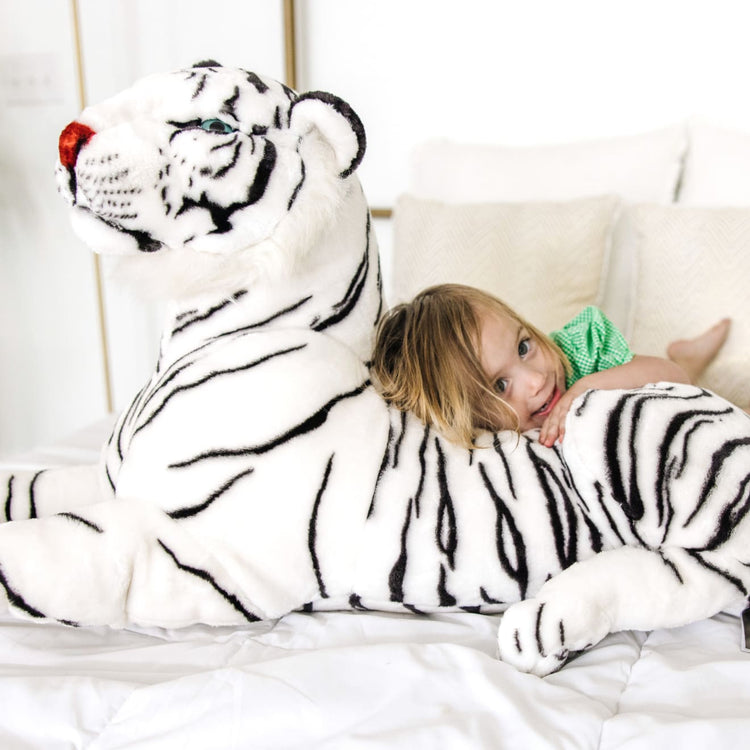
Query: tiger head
208	162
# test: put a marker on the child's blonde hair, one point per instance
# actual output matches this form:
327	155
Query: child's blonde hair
427	361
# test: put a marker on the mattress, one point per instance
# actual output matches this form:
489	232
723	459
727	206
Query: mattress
359	680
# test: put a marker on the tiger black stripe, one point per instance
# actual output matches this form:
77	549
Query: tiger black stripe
262	178
611	521
398	571
595	537
381	299
635	508
124	420
231	164
732	515
216	374
487	598
422	469
708	413
259	324
311	423
538	630
736	582
504	519
108	475
402	434
9	497
445	533
228	105
355	284
146	243
717	462
508	476
200	317
16	600
381	470
254	80
193	510
208	578
313	531
200	86
671	566
612	446
566	544
446	599
82	521
180	126
32	498
297	188
355	602
349	301
185	314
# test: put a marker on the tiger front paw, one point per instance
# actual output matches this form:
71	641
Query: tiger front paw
537	636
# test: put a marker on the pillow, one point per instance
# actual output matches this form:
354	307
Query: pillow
717	167
641	169
692	268
546	260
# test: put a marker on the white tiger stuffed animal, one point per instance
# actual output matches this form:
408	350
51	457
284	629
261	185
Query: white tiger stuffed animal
258	472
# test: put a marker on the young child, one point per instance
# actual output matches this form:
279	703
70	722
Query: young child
463	361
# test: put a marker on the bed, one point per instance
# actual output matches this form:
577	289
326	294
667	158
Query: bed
645	221
349	680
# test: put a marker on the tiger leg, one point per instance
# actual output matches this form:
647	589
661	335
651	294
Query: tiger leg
36	494
620	589
115	563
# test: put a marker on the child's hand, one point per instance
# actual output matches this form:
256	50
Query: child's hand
553	428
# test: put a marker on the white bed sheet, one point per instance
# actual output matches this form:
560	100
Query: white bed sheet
361	680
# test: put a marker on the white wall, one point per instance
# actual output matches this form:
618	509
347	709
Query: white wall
529	72
489	70
50	355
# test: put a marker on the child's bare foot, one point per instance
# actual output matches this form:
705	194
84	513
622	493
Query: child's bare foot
695	355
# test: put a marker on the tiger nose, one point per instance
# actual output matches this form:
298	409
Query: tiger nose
72	139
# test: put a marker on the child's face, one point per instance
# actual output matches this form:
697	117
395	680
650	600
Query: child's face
526	376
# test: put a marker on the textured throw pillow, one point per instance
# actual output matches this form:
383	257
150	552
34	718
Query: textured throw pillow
717	167
692	269
546	260
641	168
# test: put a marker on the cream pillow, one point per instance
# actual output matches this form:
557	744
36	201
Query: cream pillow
692	267
546	260
641	168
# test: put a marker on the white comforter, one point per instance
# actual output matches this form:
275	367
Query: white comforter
362	680
366	680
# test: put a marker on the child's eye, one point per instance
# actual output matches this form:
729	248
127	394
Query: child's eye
217	126
523	347
500	385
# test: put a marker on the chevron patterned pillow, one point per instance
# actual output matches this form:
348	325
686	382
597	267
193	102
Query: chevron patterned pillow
545	259
693	268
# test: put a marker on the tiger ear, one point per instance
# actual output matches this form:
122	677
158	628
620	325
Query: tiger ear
336	121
